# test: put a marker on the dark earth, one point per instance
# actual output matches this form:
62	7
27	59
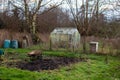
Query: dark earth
47	64
38	63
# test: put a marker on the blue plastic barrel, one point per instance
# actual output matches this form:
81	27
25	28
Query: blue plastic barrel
6	44
1	52
14	44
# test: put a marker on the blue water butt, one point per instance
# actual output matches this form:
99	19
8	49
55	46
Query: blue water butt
14	44
6	44
1	52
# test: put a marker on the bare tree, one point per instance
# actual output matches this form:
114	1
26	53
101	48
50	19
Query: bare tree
82	15
31	9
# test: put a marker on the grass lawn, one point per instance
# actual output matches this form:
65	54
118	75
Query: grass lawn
94	68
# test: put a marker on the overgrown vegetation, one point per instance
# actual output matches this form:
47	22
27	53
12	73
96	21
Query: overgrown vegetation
94	68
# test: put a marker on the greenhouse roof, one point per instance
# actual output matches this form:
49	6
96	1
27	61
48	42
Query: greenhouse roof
65	30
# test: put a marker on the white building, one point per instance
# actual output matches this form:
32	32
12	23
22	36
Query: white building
65	37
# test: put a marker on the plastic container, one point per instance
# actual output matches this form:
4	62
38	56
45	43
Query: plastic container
6	44
14	44
1	52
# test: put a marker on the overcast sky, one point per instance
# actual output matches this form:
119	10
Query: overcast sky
109	7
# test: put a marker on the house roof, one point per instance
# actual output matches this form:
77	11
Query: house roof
64	30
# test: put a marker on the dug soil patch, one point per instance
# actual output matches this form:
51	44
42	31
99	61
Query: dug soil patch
47	64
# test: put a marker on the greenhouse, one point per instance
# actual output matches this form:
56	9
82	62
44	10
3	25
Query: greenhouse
65	37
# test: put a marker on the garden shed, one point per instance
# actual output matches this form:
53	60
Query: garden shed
65	37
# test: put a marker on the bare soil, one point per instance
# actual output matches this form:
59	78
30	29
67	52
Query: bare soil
47	64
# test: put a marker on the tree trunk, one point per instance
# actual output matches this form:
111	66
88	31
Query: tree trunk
50	48
32	27
106	59
84	44
34	24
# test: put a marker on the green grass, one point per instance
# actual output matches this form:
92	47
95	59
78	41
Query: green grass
91	70
19	50
60	54
23	52
94	69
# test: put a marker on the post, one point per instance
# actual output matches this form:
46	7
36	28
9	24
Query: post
50	44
